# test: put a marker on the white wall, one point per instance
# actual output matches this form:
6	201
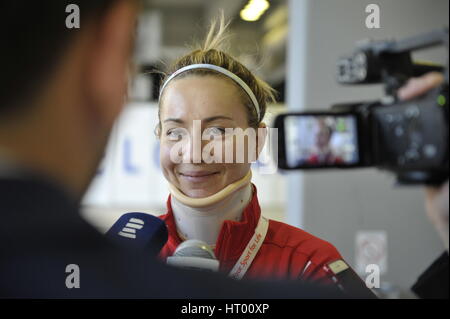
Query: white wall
334	205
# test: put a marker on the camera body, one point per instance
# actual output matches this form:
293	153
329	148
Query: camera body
408	138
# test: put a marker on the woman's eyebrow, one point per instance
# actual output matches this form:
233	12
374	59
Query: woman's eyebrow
208	119
174	120
219	117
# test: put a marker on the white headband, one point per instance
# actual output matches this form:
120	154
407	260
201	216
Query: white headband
219	69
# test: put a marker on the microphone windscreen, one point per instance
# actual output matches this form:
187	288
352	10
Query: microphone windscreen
194	248
139	231
194	254
347	280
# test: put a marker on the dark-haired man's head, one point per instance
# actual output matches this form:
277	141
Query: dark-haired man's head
62	88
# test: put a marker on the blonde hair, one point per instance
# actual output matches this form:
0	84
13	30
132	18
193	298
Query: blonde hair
212	52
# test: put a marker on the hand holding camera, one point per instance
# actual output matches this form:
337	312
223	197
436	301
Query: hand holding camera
437	198
405	135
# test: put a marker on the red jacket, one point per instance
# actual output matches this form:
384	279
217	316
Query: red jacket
287	252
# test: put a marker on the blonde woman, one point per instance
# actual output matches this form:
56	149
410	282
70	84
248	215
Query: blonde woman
205	93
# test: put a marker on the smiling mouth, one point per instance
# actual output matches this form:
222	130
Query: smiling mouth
197	176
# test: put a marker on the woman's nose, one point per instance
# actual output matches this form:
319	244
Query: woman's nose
192	148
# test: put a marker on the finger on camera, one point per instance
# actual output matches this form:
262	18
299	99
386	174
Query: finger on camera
418	86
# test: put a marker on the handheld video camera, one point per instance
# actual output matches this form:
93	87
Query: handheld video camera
409	138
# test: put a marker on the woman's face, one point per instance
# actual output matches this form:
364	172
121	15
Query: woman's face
323	138
214	104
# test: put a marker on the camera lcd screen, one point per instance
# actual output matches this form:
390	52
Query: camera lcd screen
321	140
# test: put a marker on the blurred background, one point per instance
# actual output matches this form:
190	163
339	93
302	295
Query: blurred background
294	46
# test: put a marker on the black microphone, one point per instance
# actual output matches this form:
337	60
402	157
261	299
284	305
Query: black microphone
139	231
347	280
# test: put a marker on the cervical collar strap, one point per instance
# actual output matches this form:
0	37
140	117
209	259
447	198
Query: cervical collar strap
210	200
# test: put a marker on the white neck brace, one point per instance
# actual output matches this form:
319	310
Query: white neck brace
204	223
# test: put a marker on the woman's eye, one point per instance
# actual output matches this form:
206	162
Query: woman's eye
175	134
214	131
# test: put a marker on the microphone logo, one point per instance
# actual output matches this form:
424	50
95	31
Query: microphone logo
129	231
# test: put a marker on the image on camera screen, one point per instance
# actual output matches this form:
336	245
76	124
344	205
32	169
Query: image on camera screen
321	140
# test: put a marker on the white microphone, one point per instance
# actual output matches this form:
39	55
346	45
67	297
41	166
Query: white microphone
194	254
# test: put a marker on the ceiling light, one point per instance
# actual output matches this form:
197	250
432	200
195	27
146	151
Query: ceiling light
254	10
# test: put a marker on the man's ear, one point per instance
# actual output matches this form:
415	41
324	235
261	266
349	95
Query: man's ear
262	136
107	61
